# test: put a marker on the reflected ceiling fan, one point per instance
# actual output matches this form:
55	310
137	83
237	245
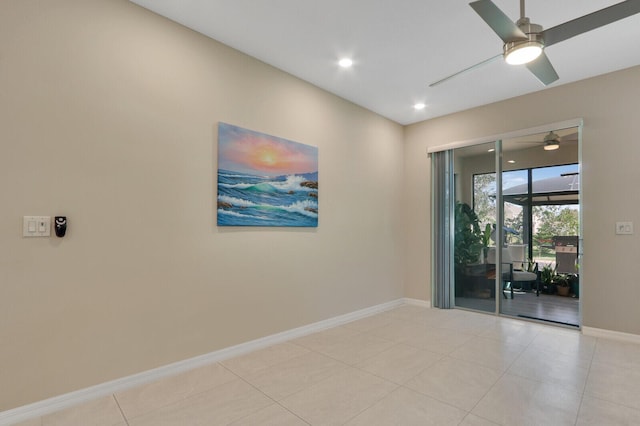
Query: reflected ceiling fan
552	140
524	42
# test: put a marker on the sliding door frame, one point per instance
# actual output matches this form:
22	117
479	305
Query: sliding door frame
497	139
576	122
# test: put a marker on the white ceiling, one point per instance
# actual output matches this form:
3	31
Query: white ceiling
399	47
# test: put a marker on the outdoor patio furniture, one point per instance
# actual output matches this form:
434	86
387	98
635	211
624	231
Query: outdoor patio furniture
512	274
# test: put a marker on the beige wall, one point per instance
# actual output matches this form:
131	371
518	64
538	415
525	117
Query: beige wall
609	105
108	115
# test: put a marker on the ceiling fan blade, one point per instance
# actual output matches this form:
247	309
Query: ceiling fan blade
543	70
573	137
506	29
590	22
472	67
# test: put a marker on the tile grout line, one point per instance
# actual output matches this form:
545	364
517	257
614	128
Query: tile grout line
126	420
311	350
194	395
586	381
354	365
260	391
238	373
268	396
397	386
343	363
500	378
74	398
582	393
600	398
406	342
403	385
442	356
374	403
237	376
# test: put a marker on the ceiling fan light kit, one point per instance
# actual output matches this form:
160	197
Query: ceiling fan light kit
524	42
518	53
551	142
551	146
523	51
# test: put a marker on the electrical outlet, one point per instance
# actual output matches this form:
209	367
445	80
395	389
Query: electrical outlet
624	228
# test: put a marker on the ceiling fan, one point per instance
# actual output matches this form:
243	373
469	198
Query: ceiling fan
524	42
551	140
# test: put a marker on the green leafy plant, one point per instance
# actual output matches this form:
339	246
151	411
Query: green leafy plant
486	235
468	237
531	265
546	274
561	280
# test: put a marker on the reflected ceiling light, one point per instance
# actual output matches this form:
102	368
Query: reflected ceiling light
345	63
491	149
551	146
511	161
551	142
419	106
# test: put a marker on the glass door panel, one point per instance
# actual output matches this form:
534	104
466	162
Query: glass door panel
540	211
475	214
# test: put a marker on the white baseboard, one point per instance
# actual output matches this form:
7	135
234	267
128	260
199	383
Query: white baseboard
417	302
61	402
610	334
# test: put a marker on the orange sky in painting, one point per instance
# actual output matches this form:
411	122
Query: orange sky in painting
243	150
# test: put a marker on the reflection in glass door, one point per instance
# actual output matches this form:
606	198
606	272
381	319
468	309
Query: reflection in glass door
540	204
475	283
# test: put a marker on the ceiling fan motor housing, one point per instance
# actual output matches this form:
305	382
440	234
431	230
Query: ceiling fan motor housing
532	31
552	137
527	27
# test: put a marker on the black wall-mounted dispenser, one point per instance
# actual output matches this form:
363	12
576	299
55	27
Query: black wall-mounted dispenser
60	225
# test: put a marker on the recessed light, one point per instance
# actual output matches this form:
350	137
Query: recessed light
419	106
491	149
345	62
511	161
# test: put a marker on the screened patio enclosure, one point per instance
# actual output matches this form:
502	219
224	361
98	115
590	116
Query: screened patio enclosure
523	210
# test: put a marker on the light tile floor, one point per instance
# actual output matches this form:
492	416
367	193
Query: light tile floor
407	366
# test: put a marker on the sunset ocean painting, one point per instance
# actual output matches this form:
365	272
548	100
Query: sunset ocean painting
265	180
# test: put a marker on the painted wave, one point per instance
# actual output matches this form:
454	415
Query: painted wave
251	200
292	183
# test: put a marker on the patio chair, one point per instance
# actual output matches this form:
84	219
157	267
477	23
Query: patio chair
511	274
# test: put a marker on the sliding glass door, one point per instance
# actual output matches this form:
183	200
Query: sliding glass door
510	241
475	283
542	229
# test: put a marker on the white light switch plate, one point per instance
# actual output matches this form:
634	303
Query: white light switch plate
624	228
36	226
